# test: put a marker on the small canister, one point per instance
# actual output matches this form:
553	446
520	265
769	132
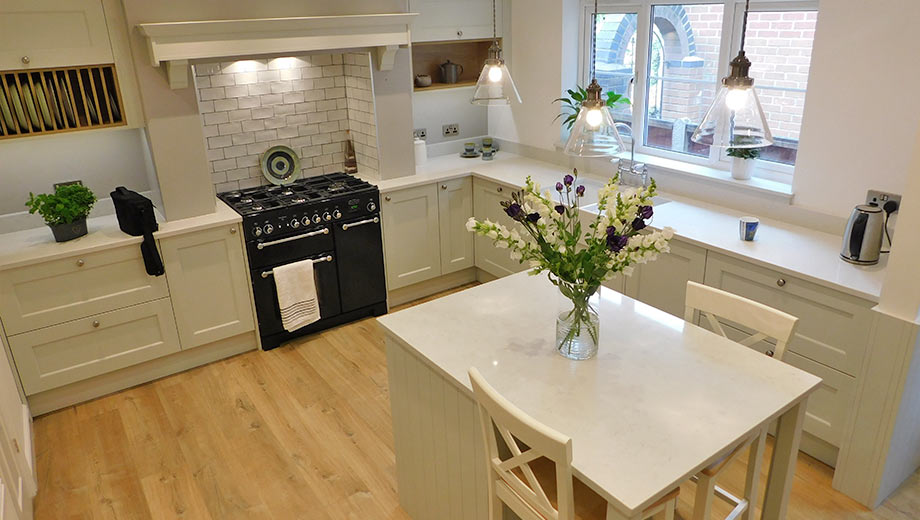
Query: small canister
421	152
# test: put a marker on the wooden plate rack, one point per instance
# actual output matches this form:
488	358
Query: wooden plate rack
56	100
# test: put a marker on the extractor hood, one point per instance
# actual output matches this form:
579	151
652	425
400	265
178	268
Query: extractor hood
175	43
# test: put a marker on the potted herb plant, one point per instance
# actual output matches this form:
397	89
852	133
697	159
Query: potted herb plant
572	104
743	162
578	255
65	210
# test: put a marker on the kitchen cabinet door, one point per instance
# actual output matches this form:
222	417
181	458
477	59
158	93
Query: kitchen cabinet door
208	285
455	207
487	196
51	33
440	20
663	283
15	437
411	235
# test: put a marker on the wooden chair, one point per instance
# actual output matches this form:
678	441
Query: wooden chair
534	478
766	322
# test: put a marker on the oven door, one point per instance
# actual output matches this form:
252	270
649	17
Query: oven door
272	252
361	275
265	293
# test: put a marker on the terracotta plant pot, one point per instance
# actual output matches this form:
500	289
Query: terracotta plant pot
65	232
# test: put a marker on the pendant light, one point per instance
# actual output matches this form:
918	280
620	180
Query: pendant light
495	86
736	110
594	133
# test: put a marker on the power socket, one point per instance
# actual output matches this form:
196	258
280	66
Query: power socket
451	130
420	133
881	197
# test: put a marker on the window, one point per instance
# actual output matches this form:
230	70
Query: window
669	58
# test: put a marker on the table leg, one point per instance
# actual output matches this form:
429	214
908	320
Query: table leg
782	466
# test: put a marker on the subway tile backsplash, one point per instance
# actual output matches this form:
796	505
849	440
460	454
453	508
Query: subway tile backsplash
312	103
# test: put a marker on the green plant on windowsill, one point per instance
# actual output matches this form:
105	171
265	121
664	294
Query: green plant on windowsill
743	153
572	104
65	210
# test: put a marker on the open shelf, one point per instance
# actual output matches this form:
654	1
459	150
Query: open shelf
427	58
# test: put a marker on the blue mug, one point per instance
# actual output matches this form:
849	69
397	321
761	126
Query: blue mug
748	228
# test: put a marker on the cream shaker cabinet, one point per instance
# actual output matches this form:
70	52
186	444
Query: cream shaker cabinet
441	20
455	207
663	283
53	33
487	196
208	286
17	463
411	235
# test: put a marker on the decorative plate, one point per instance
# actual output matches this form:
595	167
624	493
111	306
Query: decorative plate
5	110
30	106
53	103
43	105
280	165
17	106
64	96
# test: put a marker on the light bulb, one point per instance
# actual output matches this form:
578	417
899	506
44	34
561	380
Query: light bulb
594	118
495	74
737	98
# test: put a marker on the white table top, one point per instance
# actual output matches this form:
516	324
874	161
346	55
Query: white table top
660	401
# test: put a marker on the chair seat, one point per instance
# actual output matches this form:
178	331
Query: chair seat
588	504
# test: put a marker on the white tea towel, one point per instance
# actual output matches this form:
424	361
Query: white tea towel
296	294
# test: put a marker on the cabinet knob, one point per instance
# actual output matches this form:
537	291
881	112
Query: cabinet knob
781	282
769	353
387	198
233	231
499	189
459	34
80	263
15	445
25	60
443	186
95	324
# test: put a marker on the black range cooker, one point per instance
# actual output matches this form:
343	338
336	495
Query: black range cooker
333	220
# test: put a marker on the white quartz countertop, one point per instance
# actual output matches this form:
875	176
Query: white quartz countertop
662	399
795	250
37	245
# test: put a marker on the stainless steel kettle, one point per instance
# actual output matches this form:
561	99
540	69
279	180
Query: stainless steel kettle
862	241
450	72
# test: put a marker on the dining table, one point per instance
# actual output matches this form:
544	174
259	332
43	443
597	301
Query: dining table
662	399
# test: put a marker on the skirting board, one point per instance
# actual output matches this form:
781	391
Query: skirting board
428	287
57	398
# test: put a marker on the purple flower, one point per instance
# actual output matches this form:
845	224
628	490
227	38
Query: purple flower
645	212
558	186
568	180
580	191
533	217
615	242
514	210
560	209
638	224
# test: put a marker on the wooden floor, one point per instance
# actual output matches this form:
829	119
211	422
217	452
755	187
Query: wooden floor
299	432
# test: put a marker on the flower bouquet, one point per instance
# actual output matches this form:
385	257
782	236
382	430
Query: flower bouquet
553	238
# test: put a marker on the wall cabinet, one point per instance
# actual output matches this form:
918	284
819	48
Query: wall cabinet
663	283
411	235
440	20
455	206
208	286
487	196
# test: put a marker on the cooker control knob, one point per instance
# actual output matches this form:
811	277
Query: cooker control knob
295	223
316	218
336	214
257	231
305	221
326	216
371	206
268	229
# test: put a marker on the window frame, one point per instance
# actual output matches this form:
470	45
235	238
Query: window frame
732	19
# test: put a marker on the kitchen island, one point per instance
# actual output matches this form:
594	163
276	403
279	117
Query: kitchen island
662	399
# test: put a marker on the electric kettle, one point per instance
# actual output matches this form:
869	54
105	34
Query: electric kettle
862	241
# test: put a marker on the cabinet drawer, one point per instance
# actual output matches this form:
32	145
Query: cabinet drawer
833	327
55	356
61	290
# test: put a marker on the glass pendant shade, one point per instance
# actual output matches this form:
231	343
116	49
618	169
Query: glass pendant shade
495	86
738	108
594	133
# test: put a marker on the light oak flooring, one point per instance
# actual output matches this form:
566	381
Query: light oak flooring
299	432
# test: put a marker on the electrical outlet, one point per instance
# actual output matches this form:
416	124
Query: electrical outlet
66	183
881	197
420	133
451	130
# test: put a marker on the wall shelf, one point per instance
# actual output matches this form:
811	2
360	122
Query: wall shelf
427	58
445	86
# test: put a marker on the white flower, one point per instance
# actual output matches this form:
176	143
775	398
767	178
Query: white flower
492	234
515	235
471	224
534	263
668	232
501	244
648	241
628	271
516	255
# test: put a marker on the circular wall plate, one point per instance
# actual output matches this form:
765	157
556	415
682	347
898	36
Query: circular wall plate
280	165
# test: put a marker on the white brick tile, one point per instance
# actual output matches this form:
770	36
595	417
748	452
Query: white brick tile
337	59
262	113
238	174
222	80
266	135
233	67
208	94
300	142
323	106
332	70
205	106
339	81
203	82
287	131
335	92
247	160
289	74
257	89
210	130
268	75
333	115
237	91
233	152
252	182
322	160
362	58
218	177
219	142
328	148
312	172
253	126
323	83
317	117
224	165
308	129
257	148
230	128
302	84
311	151
292	97
294	120
331	126
271	99
303	108
216	155
283	110
227	186
223	105
246	78
280	87
243	138
318	60
349	58
241	115
249	102
342	102
274	122
321	139
312	72
206	69
288	63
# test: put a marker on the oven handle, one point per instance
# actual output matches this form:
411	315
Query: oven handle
327	258
360	223
263	245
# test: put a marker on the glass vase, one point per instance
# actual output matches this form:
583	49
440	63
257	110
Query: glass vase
578	324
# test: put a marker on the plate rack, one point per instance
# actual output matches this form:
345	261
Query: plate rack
56	100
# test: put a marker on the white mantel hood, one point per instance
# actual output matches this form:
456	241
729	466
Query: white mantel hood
178	42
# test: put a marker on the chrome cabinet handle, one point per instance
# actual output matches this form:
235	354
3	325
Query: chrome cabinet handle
327	258
459	34
770	353
80	263
443	186
26	60
387	198
233	231
95	324
781	282
374	220
263	245
499	189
